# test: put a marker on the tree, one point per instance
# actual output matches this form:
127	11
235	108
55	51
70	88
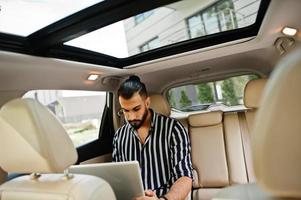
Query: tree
205	94
171	99
184	100
229	96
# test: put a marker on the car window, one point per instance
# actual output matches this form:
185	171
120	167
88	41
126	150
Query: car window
79	111
217	95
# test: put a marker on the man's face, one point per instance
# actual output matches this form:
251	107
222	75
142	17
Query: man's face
135	109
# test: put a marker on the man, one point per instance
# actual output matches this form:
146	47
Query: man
160	144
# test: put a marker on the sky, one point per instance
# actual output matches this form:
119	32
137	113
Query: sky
23	17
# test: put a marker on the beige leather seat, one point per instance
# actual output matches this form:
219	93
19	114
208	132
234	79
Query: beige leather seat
208	154
276	138
160	105
237	128
221	153
33	141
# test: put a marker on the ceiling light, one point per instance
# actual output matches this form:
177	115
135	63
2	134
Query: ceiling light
289	31
93	77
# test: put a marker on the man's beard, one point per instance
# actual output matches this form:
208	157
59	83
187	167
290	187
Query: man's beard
136	124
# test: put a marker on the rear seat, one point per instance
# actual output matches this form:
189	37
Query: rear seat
220	143
238	125
208	154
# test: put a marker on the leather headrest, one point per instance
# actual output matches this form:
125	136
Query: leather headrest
205	119
159	104
32	139
276	137
253	92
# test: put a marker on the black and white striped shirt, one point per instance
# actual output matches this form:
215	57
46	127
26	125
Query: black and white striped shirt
164	157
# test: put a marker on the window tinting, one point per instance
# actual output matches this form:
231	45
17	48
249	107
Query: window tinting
202	96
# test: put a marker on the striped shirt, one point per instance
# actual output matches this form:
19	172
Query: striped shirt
164	157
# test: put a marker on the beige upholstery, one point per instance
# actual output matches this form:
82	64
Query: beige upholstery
207	193
55	187
205	119
33	141
244	192
234	149
208	150
253	92
276	138
159	104
277	131
22	122
221	152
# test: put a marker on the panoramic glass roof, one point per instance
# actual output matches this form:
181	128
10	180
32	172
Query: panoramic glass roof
120	33
24	17
177	22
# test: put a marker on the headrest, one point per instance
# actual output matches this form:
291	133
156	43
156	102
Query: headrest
205	119
276	137
32	139
253	91
159	104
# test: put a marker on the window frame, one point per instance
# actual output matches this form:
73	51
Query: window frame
147	44
142	16
200	13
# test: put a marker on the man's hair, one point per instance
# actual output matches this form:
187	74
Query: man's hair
130	86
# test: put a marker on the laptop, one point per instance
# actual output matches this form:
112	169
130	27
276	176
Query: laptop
124	177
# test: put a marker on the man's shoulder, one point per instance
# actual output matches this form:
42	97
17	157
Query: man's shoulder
121	129
166	118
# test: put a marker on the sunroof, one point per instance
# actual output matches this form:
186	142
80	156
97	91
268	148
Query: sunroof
177	22
23	17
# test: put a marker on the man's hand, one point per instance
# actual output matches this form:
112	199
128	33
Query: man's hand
149	195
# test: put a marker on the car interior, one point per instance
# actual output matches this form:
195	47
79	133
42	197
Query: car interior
228	70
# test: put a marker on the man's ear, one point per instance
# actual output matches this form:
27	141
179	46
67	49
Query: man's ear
147	102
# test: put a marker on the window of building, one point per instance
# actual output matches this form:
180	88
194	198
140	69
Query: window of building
219	95
219	17
151	44
141	17
79	111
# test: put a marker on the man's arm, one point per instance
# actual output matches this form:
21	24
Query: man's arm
180	189
181	163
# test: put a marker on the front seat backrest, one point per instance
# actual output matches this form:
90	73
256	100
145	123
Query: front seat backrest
277	132
34	141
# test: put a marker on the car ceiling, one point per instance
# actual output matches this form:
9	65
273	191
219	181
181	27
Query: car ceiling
21	72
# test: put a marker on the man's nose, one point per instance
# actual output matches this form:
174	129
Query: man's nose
131	116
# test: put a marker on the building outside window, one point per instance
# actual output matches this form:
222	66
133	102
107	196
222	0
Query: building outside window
141	17
151	44
216	18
